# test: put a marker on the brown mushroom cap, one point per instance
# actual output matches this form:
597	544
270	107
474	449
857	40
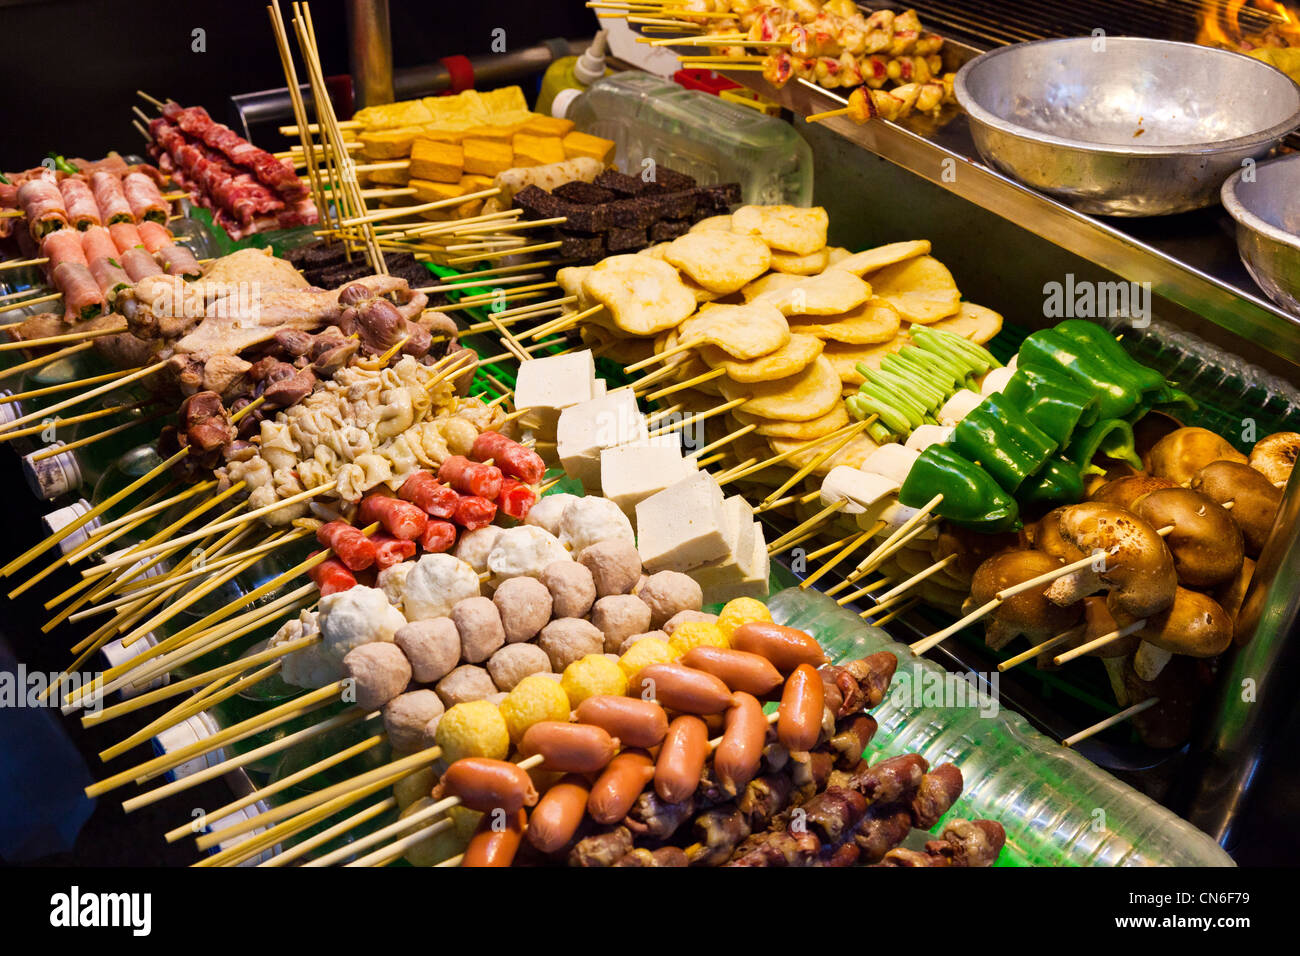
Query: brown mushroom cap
1194	625
1206	543
1274	456
1184	452
1028	613
1232	595
1045	535
1254	498
1150	428
971	548
1126	492
1138	569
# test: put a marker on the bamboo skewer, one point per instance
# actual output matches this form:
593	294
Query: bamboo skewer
251	756
50	358
415	761
1097	642
97	436
31	554
846	435
124	379
57	423
786	539
263	721
221	526
302	848
1111	721
848	549
1037	649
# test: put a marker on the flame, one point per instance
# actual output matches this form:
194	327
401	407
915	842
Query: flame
1219	25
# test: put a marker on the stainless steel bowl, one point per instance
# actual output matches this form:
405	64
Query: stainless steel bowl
1124	126
1265	202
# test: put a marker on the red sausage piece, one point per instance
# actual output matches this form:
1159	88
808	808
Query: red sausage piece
438	537
401	519
332	576
569	748
615	790
739	670
681	759
681	688
428	493
390	550
471	478
511	457
635	722
516	499
473	512
348	544
737	759
558	814
485	784
495	844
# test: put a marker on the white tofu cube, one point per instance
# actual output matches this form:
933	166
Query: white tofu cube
585	430
729	570
631	473
548	385
683	526
749	579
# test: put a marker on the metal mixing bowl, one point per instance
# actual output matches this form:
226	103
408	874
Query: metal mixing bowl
1265	201
1124	126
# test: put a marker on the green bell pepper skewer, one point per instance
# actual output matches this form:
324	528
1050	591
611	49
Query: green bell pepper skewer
970	497
1003	441
1117	394
1058	483
1051	399
1112	437
1091	335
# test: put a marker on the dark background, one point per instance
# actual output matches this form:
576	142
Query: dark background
70	68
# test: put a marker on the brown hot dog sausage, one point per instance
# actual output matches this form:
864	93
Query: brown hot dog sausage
681	759
681	688
635	722
484	784
739	670
569	748
785	647
737	759
802	701
558	814
493	844
615	790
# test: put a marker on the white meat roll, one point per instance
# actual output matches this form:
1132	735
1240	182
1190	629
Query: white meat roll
859	489
435	585
525	550
474	547
310	666
547	512
357	616
587	521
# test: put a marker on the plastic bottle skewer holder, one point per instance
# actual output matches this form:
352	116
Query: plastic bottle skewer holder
52	477
62	517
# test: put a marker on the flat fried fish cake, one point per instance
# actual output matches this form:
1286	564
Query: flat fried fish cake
831	293
790	359
742	331
870	260
721	262
800	398
872	322
921	289
837	417
973	322
643	294
800	230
